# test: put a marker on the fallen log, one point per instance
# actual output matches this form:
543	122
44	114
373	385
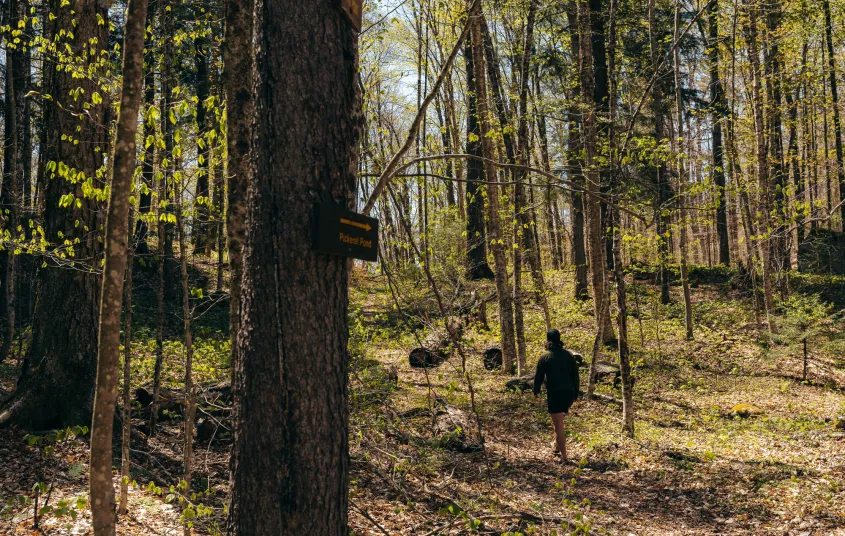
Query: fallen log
521	384
168	399
450	427
493	359
436	348
214	399
605	371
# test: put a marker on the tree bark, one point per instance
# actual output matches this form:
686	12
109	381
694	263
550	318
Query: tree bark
575	165
126	414
116	247
201	230
682	177
477	265
494	226
290	409
664	193
187	312
762	161
56	388
13	157
834	94
145	208
719	111
595	232
237	80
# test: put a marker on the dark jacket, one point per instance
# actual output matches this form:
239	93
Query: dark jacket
559	370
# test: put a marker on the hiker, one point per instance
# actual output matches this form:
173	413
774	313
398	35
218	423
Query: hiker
559	370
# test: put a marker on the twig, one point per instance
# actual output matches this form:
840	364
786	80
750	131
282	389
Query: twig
368	516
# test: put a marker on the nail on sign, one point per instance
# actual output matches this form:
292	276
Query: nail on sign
344	233
355	10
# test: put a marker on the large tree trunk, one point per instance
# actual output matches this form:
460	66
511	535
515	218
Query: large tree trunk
664	189
57	386
237	79
595	231
290	409
834	94
477	266
575	165
14	157
116	249
719	111
601	99
774	129
494	225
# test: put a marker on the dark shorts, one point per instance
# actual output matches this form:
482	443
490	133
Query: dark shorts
560	401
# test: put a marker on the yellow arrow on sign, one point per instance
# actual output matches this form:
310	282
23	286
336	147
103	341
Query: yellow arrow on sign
365	226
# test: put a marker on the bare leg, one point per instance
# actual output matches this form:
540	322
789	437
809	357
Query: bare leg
560	433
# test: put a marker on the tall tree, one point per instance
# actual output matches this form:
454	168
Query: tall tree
494	225
601	99
762	154
834	95
56	387
718	113
664	189
477	265
290	389
682	175
237	81
14	157
201	230
145	208
116	249
574	160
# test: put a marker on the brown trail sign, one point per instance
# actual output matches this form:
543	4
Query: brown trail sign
345	233
355	11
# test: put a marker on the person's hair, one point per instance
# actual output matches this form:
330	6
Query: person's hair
553	339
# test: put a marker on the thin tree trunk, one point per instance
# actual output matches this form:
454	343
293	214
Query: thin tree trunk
762	161
190	409
494	226
201	230
116	238
528	246
682	177
662	216
148	157
126	415
616	226
834	94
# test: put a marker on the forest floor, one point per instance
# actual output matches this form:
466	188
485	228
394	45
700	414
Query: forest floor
694	467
